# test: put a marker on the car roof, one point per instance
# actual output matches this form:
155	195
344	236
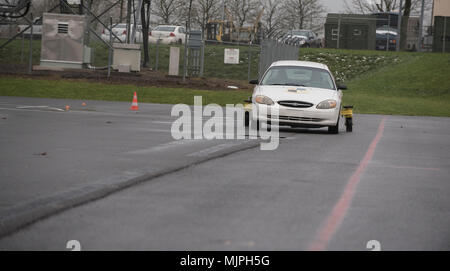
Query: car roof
300	64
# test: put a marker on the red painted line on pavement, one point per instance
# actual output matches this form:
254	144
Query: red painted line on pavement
335	218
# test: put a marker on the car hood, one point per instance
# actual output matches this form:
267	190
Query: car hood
289	93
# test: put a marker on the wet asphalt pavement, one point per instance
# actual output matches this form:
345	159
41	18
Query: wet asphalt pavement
387	181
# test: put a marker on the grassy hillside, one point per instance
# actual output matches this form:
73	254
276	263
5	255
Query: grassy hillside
349	64
418	86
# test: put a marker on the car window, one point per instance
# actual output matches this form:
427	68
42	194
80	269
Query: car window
165	28
298	76
300	33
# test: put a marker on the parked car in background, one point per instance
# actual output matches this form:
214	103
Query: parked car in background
37	28
306	38
383	34
120	30
168	34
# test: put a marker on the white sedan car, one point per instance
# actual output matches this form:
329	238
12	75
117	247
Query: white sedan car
305	94
120	32
168	34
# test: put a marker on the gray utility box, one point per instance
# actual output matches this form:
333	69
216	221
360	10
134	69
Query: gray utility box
63	41
354	31
196	53
127	55
195	39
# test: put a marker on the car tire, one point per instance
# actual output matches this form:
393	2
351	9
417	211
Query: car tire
334	129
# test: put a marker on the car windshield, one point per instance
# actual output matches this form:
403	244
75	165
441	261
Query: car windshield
165	28
298	76
300	33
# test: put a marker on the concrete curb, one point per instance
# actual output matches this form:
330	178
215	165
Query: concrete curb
18	217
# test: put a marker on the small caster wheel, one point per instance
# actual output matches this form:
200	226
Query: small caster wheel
349	125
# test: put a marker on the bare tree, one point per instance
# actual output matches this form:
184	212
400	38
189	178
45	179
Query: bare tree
372	6
168	10
205	10
298	12
243	10
272	15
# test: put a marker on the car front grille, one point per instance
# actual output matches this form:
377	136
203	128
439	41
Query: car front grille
295	104
296	118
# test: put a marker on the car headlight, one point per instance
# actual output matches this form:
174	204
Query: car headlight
261	99
327	104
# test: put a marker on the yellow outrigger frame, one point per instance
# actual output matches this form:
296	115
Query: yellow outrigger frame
347	113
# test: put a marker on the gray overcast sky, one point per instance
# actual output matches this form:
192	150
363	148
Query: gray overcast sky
333	5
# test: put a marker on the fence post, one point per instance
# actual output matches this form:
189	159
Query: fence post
445	34
202	58
23	48
110	45
389	29
30	63
249	62
157	55
339	32
399	27
422	11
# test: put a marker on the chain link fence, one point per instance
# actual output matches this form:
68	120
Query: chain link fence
272	50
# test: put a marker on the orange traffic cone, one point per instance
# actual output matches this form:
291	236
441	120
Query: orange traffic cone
134	105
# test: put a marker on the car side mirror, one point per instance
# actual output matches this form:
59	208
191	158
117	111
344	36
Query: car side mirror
254	82
342	87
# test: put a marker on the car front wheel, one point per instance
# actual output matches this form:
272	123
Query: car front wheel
334	129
